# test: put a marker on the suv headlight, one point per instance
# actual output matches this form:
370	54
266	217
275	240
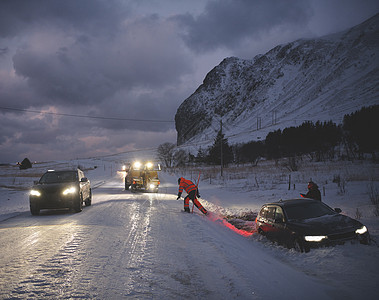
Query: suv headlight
314	238
361	230
35	193
69	191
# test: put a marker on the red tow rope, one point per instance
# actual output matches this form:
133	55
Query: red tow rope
198	179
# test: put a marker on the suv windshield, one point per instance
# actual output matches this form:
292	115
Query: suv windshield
56	177
308	211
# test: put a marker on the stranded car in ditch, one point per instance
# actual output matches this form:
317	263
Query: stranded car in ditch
305	223
60	189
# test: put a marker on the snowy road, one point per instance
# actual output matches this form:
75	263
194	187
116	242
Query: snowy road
139	246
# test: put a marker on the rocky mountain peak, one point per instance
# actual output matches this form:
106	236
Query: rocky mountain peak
305	80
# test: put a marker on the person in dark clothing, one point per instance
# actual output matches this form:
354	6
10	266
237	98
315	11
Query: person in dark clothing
193	194
313	192
25	164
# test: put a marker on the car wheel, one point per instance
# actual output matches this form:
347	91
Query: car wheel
78	207
89	199
34	209
299	246
365	240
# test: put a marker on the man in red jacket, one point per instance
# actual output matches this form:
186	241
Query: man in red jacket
313	192
193	193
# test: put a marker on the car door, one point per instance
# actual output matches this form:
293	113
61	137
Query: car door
270	222
266	217
261	219
84	185
279	229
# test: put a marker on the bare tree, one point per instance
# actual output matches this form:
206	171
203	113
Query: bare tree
181	158
165	153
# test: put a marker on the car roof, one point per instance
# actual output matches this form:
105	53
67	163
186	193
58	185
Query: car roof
291	202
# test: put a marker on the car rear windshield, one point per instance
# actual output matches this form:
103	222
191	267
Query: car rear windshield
56	177
308	211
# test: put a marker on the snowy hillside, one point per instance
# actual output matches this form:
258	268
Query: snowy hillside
309	79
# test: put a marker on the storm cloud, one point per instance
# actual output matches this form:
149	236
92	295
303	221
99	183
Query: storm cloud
92	16
229	23
89	69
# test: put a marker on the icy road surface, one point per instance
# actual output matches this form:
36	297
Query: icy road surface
140	246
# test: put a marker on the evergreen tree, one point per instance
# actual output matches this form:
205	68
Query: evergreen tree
250	152
273	144
201	155
360	129
214	154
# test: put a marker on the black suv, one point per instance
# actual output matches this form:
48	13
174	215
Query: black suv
60	189
304	223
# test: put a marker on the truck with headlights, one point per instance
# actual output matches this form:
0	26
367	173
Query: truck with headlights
142	177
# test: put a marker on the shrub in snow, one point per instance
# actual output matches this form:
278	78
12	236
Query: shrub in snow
374	197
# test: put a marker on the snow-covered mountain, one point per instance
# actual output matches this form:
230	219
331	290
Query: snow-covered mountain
308	79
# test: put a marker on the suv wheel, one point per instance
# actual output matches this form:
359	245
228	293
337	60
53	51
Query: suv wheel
78	206
89	199
34	209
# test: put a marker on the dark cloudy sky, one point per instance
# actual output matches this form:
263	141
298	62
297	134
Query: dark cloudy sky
123	60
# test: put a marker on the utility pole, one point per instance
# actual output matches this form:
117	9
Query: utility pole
274	117
222	159
259	123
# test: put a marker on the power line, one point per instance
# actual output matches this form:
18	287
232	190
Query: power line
124	152
85	116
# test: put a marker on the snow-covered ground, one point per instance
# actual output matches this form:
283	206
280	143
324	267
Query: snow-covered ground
140	246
